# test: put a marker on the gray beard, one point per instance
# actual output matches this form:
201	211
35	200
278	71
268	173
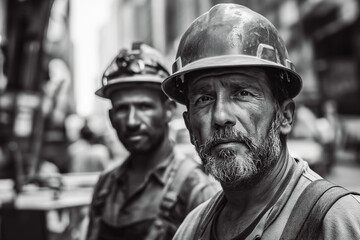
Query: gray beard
231	170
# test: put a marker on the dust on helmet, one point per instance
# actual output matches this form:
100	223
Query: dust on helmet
141	64
230	35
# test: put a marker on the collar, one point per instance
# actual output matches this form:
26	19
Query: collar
160	171
291	177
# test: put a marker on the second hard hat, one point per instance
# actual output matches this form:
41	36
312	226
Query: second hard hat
141	64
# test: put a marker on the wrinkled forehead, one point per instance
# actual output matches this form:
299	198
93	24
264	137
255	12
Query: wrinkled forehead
247	76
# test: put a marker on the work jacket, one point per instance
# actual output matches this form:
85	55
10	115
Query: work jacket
149	212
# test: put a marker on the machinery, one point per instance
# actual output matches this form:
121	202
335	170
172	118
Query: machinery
46	211
22	118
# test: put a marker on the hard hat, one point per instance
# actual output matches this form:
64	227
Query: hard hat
230	35
141	64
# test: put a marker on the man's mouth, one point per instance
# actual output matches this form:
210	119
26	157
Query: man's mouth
135	137
225	144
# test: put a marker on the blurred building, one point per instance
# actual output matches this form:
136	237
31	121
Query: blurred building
322	38
334	31
60	61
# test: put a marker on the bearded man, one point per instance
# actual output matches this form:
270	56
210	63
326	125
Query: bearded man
234	75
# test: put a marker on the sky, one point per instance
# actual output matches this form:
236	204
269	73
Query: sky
86	20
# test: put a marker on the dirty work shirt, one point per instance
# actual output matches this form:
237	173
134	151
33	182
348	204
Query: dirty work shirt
341	222
114	212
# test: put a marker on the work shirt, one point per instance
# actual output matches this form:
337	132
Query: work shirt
341	222
114	214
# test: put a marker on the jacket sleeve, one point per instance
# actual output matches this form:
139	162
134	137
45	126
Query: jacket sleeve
94	216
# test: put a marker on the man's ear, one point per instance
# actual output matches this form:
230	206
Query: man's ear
170	107
188	125
287	109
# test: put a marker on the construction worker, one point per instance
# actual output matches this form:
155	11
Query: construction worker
148	195
233	73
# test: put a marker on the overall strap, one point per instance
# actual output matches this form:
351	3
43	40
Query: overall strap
179	172
310	209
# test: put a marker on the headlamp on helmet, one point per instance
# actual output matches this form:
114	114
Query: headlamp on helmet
140	64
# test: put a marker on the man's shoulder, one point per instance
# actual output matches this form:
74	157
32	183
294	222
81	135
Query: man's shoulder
193	164
196	218
110	173
347	206
190	225
194	170
197	180
343	219
111	170
337	208
195	185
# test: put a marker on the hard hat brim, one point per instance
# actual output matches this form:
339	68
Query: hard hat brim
225	61
136	79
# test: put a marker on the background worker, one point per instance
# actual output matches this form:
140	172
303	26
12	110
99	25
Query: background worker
148	195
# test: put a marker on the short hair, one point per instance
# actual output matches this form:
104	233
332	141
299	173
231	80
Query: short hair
276	79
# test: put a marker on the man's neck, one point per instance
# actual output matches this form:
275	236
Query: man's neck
246	205
144	162
253	199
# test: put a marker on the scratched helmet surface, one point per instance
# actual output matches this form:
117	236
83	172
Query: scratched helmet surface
230	35
141	64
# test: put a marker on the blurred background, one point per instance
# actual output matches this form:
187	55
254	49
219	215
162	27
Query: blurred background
55	136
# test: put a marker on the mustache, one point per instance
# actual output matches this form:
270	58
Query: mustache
227	134
130	132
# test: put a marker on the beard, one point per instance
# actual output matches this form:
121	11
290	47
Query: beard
231	169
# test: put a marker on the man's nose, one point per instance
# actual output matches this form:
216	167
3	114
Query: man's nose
223	114
132	119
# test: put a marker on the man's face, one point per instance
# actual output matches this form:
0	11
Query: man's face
139	118
233	123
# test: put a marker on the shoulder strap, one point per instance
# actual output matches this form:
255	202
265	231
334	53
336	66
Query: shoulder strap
180	170
179	173
310	209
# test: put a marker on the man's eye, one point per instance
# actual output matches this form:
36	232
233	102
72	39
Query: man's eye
204	99
144	106
243	93
121	109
